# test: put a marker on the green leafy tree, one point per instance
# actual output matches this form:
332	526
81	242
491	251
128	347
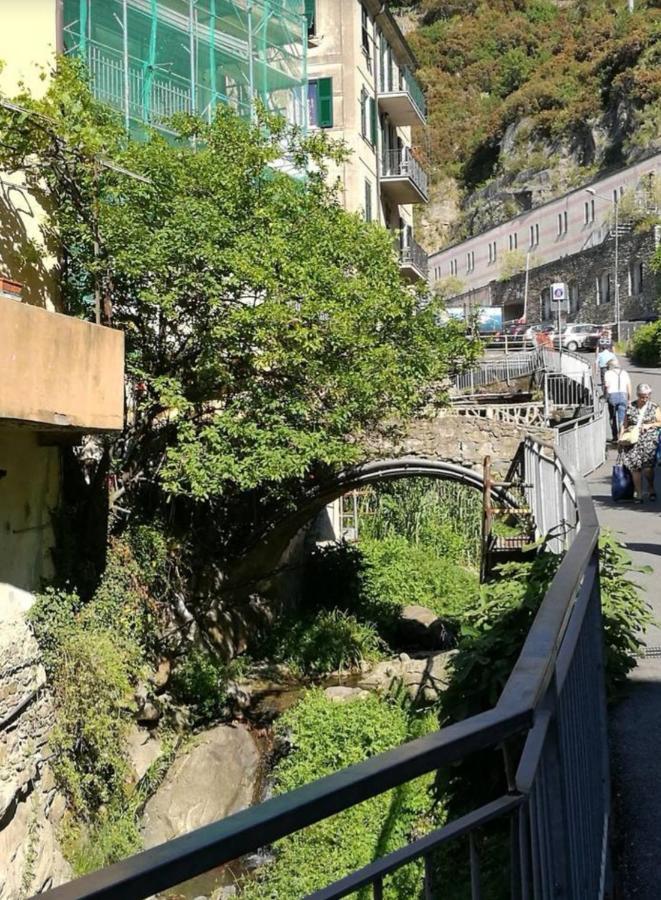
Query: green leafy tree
266	327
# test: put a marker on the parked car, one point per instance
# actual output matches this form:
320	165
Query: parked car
512	332
579	336
539	334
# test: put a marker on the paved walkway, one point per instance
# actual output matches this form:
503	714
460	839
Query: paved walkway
636	720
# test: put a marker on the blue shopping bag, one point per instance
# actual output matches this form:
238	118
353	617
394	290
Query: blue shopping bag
621	482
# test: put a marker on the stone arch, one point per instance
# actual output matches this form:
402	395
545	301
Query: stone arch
264	555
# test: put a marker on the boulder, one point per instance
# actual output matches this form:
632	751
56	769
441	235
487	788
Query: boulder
421	627
213	779
424	677
143	748
340	693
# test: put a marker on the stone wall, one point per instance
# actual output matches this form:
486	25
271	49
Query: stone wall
456	438
30	807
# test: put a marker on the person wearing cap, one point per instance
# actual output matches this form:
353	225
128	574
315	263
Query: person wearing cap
604	356
617	388
640	458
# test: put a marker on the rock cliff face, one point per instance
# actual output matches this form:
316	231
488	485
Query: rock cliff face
30	807
526	99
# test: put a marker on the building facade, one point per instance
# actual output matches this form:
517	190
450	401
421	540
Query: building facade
362	91
61	377
569	239
151	59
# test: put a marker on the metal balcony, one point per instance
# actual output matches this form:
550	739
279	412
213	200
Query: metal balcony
401	97
403	180
413	261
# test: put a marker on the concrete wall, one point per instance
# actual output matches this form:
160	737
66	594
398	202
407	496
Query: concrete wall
59	371
29	492
28	38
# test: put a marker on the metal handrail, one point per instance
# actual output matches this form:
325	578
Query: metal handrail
406	83
530	694
402	163
412	254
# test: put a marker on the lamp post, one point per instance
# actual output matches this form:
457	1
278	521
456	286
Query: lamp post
616	204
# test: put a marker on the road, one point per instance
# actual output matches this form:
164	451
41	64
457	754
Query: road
636	720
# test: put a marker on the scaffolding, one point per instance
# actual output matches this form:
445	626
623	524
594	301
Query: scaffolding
151	59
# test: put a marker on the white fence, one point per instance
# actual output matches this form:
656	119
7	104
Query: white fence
490	371
583	441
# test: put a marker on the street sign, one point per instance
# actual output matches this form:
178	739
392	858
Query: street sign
559	292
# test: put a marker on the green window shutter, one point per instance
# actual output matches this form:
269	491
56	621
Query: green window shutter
373	121
325	100
311	15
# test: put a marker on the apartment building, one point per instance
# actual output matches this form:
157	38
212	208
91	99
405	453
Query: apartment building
61	377
362	90
568	239
150	59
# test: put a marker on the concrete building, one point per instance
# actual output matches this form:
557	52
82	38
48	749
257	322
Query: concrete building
61	377
362	90
570	239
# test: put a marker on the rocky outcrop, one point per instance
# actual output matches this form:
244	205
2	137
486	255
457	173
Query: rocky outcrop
423	677
422	629
30	807
214	778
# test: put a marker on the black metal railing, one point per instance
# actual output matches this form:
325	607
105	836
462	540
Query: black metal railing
402	81
403	164
412	256
553	705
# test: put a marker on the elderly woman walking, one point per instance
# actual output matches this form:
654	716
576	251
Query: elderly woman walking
640	457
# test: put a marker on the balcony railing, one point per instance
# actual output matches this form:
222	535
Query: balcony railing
413	260
402	177
401	97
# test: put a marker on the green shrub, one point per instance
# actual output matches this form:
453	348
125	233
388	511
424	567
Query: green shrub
113	836
52	616
626	614
325	737
646	345
92	684
317	643
445	517
200	680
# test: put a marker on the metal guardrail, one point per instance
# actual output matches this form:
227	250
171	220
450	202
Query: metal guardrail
402	164
413	255
490	371
583	441
553	706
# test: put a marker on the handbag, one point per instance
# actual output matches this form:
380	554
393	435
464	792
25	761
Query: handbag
631	435
621	481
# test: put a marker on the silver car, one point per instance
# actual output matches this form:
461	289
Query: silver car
579	337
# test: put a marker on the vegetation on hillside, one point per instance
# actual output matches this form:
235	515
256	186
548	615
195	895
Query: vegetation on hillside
557	71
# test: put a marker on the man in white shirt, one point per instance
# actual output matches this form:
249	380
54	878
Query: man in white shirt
617	386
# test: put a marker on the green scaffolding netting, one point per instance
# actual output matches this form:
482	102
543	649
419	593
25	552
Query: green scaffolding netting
154	58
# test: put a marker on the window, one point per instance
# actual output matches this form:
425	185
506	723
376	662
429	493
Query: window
604	288
470	261
365	35
615	196
588	212
373	122
562	223
493	251
454	267
363	112
597	284
574	302
320	103
368	200
635	278
534	235
311	16
545	304
513	241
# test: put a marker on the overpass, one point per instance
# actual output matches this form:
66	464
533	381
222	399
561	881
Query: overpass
548	726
